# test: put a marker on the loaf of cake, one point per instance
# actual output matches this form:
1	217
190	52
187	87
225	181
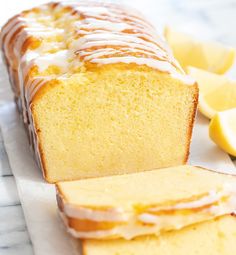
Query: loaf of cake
214	237
99	90
151	202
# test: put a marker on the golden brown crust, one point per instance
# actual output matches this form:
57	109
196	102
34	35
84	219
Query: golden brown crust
83	246
49	85
89	225
191	122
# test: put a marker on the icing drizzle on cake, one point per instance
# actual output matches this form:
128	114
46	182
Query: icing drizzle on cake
93	32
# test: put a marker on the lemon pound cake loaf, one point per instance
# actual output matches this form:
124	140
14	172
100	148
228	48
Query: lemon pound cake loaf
99	89
151	202
214	237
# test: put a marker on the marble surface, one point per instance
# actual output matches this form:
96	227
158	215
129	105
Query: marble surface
212	19
14	238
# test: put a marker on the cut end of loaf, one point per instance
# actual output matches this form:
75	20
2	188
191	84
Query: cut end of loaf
113	121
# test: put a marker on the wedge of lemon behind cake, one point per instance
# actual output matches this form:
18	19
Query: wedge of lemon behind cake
151	202
190	51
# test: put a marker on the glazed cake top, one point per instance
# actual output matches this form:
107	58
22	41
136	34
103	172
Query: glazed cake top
69	33
57	40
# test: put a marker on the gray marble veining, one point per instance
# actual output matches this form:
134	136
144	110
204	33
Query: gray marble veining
8	191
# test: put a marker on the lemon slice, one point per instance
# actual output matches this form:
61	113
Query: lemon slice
210	56
222	130
216	92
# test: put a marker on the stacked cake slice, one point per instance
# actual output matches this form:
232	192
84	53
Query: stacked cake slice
152	211
214	237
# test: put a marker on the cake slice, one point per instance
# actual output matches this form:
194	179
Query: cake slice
152	202
99	90
214	237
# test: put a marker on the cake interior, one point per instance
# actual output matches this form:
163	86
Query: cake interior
112	120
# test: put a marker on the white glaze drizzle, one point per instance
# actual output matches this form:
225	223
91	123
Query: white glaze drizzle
59	59
101	24
165	66
91	23
111	215
96	38
211	198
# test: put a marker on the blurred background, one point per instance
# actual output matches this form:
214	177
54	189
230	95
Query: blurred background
207	18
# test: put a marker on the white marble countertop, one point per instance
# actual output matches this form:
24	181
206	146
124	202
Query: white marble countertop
14	238
214	19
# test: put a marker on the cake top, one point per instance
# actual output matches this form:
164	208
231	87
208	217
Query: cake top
57	40
72	33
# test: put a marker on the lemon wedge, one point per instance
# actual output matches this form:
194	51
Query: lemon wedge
222	130
210	56
216	92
